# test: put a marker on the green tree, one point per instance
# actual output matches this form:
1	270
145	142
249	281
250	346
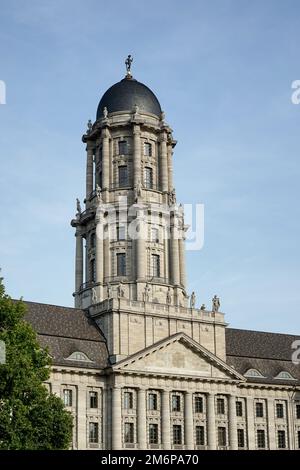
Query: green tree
30	417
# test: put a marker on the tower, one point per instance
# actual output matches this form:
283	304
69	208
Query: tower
131	274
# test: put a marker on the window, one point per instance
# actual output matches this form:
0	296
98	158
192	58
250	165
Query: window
93	433
128	433
148	178
176	403
78	356
281	441
123	176
279	410
220	406
67	394
147	149
152	401
259	409
221	436
153	433
261	438
198	404
93	399
93	270
241	438
121	264
298	436
298	411
253	373
177	434
239	408
121	231
200	436
285	376
128	400
123	147
155	259
155	234
93	240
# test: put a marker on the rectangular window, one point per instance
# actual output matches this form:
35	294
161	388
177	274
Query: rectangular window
123	147
93	433
93	240
221	436
298	435
176	403
147	149
279	410
121	264
200	436
220	406
121	232
155	234
155	261
153	433
67	394
298	411
261	439
281	440
93	270
177	434
259	409
93	399
128	400
152	401
123	176
239	408
148	178
128	433
198	404
241	438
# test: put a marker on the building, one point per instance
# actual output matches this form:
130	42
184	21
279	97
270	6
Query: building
135	361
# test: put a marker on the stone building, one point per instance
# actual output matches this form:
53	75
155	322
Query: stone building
135	361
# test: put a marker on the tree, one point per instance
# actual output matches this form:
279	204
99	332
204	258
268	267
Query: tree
30	417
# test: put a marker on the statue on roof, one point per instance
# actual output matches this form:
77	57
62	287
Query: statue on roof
128	63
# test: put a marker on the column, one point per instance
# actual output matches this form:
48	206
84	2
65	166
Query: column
188	421
165	420
182	260
211	422
81	418
170	166
271	427
136	155
89	170
233	443
105	158
163	158
99	248
141	421
107	257
174	254
116	417
250	423
140	247
78	261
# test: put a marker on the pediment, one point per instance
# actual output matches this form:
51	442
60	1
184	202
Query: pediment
178	355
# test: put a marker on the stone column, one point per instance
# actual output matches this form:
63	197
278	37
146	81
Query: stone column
271	428
89	169
165	420
78	261
182	259
137	157
188	421
107	257
99	248
250	424
105	158
141	421
116	417
232	423
211	422
163	158
140	253
170	166
174	252
81	418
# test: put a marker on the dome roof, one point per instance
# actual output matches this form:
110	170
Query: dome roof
127	93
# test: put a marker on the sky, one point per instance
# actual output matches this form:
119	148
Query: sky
222	71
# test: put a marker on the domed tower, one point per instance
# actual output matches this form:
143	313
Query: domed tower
131	275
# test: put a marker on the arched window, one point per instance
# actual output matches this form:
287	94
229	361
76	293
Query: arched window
253	373
79	356
284	375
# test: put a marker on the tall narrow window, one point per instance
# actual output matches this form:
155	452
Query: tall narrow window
259	409
128	400
153	433
279	410
177	434
148	178
155	260
220	406
298	411
129	433
281	440
239	408
93	270
93	240
198	404
93	433
123	147
261	439
147	149
152	401
221	436
121	264
200	436
67	396
93	396
241	438
155	234
176	403
298	436
121	232
123	176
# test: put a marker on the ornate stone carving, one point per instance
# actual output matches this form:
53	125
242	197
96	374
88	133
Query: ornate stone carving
94	296
193	300
215	304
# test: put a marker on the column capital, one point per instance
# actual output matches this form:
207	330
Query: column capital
105	133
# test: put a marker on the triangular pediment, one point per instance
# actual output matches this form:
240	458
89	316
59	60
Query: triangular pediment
178	355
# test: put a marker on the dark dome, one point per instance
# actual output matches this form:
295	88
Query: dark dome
125	94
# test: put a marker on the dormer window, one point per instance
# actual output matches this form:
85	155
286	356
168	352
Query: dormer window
147	149
123	147
253	373
284	375
78	356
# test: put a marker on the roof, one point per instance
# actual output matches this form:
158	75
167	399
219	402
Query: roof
66	330
269	353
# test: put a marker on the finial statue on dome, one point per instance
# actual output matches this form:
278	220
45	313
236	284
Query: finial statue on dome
128	63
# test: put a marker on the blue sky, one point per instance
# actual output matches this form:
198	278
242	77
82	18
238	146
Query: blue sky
222	71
